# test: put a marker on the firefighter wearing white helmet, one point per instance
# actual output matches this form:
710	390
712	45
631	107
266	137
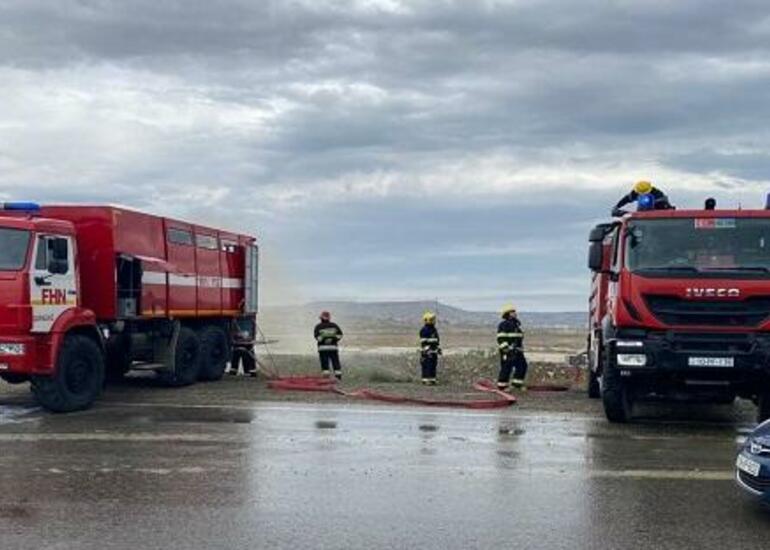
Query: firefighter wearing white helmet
430	348
510	342
657	198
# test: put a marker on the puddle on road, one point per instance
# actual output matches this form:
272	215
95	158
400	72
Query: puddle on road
14	511
326	425
194	417
508	454
10	414
505	430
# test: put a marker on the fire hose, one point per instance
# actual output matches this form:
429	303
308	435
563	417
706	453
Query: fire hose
329	385
324	384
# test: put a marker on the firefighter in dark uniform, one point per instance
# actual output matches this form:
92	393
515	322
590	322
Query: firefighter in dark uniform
430	348
510	342
243	333
658	199
328	335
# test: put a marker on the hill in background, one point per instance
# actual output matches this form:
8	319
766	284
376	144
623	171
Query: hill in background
410	313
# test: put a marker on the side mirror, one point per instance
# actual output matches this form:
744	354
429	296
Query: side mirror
58	248
58	263
57	267
599	232
596	256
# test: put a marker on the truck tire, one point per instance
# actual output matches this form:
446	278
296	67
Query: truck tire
215	351
118	360
78	379
763	406
594	367
594	391
615	395
187	360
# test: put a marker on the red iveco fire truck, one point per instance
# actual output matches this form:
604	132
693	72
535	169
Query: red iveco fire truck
90	292
680	308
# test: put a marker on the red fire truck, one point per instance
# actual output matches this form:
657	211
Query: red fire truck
680	308
90	292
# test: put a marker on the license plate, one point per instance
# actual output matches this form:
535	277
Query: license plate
711	361
747	465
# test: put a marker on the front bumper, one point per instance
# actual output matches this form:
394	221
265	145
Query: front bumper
758	485
23	364
670	353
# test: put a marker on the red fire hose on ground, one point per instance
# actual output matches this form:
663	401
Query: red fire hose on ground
329	385
323	384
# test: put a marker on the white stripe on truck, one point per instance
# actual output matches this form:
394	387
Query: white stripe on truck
157	278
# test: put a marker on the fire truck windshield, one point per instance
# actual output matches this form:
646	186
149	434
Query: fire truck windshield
13	248
739	246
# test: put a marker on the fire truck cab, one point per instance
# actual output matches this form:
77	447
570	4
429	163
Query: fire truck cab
680	308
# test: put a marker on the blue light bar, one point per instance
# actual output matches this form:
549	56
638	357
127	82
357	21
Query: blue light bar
21	206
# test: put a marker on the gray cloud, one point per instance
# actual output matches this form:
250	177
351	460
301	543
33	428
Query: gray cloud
372	142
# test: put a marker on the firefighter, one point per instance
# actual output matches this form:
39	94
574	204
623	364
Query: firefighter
430	348
328	335
242	334
510	342
243	356
658	199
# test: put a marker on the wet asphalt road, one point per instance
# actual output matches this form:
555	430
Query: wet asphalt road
281	475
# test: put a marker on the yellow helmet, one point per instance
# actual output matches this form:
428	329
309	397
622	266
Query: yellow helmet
642	187
429	317
507	309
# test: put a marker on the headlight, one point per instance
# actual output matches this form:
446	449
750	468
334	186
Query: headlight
11	349
756	448
629	343
632	359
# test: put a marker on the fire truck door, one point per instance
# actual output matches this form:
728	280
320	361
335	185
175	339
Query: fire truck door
53	283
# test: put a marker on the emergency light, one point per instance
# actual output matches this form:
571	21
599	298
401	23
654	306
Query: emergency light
645	202
21	206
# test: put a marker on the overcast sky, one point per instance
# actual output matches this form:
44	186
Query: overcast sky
383	149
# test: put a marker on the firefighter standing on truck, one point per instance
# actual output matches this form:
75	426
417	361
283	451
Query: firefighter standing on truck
647	192
510	342
430	348
328	335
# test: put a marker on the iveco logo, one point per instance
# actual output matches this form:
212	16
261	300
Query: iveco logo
713	293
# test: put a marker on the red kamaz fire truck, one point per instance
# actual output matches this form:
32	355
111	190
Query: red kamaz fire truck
90	292
680	307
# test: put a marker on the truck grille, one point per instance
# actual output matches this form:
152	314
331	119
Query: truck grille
756	483
683	342
677	311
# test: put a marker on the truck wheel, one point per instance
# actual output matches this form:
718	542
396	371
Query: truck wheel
215	352
594	391
118	360
78	379
763	406
615	395
187	360
594	367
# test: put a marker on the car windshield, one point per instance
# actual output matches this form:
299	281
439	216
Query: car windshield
13	248
698	245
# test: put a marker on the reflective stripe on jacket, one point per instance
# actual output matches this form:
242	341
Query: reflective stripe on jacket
509	335
328	335
430	342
